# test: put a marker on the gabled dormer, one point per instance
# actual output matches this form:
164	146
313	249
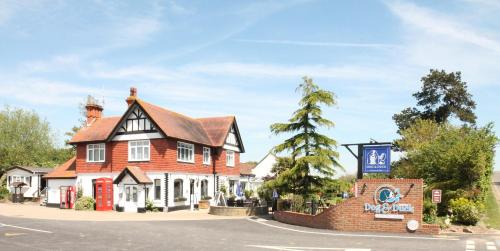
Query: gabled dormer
136	122
233	140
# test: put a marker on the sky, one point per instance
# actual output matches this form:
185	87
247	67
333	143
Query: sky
245	58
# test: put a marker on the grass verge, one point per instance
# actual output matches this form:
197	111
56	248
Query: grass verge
492	218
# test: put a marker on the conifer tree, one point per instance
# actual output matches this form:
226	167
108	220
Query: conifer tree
311	152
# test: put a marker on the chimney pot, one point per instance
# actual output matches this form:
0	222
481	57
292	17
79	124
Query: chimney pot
132	97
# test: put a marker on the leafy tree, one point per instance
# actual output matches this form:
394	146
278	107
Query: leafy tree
309	149
442	95
26	139
458	160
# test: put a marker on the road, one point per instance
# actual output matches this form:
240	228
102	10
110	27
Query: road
234	234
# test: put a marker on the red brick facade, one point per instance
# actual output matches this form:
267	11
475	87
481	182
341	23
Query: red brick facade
350	215
163	158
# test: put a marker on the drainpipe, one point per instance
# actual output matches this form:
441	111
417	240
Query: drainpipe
145	196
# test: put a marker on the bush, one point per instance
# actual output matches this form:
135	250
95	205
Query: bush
4	193
206	197
297	203
85	203
150	206
248	194
430	212
223	189
464	211
334	201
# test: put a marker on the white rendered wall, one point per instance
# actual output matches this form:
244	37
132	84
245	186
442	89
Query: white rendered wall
186	185
28	191
264	167
53	189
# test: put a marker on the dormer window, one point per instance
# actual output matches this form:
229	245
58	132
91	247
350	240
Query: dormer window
96	152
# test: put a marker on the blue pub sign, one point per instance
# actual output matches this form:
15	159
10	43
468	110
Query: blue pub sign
377	159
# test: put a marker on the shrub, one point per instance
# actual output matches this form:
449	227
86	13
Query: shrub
334	201
223	189
464	211
248	194
297	203
85	203
150	206
206	197
430	211
4	193
179	199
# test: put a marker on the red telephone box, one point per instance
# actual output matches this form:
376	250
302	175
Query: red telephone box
67	199
103	194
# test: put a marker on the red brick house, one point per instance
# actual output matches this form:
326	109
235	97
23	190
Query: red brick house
149	153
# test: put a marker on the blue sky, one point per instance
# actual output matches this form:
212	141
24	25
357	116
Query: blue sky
245	58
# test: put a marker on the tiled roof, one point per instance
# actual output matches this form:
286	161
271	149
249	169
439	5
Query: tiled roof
246	169
176	125
98	131
217	128
33	169
206	131
136	173
64	171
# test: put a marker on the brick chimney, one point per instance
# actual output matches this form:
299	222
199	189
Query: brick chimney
94	110
132	97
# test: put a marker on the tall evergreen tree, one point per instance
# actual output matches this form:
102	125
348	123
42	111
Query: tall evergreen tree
310	151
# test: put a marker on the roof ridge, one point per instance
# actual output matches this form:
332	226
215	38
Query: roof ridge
218	117
168	110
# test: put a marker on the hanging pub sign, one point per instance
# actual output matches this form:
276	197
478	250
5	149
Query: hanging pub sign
377	159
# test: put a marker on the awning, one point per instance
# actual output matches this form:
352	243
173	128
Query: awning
136	173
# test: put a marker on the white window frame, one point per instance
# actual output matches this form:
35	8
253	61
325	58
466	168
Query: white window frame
208	159
230	159
187	147
97	147
142	146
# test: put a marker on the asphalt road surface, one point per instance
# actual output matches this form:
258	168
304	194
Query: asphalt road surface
240	234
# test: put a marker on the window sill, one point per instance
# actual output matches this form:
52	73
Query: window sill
144	160
184	161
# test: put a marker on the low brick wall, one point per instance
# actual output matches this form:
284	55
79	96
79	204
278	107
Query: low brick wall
350	215
237	211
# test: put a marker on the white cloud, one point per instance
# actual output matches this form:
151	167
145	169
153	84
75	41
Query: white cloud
320	44
39	91
437	23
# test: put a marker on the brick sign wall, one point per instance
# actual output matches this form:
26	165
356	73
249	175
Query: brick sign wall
366	212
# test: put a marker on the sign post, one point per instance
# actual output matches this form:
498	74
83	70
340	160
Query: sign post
436	196
377	159
360	157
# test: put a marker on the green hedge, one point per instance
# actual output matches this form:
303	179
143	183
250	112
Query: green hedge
85	203
4	193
